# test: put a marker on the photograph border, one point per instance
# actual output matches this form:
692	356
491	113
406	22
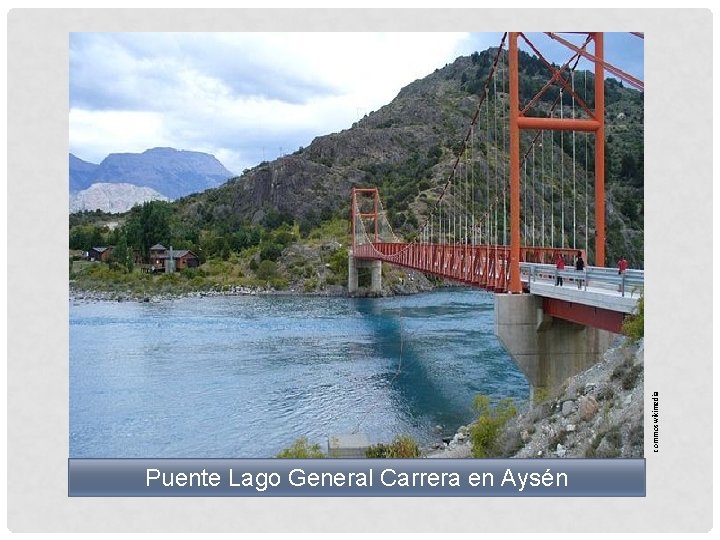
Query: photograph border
678	347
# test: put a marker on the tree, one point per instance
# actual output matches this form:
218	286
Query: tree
148	224
122	255
628	166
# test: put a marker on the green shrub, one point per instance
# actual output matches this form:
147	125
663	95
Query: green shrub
311	284
279	283
267	270
540	394
215	267
377	451
630	378
191	273
403	446
485	430
270	252
339	264
634	325
170	279
302	449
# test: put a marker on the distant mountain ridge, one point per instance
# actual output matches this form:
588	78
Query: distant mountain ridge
81	173
170	172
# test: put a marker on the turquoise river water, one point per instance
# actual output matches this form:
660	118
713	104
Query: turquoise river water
245	376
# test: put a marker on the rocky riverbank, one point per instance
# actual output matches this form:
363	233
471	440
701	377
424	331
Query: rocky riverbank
596	414
78	295
396	282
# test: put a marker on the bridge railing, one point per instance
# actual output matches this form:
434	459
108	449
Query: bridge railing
631	281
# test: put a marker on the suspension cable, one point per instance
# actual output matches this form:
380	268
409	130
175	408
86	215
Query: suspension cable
505	121
574	195
472	122
552	187
538	135
542	187
497	150
562	178
524	216
587	193
533	195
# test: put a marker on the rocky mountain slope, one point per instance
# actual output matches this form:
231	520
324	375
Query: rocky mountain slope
407	148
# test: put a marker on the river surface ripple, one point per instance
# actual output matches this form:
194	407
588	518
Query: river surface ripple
245	376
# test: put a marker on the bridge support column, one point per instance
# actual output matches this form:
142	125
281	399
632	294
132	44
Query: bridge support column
547	350
375	274
352	274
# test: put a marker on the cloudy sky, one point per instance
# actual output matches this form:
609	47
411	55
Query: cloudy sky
249	97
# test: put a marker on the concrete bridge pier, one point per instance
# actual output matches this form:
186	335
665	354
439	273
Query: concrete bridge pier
375	273
546	349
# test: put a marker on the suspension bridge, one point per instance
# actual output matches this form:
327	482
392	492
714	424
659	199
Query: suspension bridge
517	226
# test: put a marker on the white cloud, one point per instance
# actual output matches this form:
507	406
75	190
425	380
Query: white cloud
95	134
243	96
226	93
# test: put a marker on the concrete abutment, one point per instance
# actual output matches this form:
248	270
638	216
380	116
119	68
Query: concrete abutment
546	349
375	267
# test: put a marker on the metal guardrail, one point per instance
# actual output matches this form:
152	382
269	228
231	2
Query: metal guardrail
629	281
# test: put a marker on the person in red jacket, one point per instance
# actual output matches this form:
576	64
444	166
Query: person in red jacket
622	265
560	265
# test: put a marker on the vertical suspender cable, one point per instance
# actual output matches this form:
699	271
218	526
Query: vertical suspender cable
562	178
524	194
451	210
448	233
552	187
472	185
497	150
542	186
467	184
587	203
455	209
440	223
533	195
574	194
505	152
496	200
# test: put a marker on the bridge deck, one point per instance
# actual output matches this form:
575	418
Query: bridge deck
486	267
600	287
600	297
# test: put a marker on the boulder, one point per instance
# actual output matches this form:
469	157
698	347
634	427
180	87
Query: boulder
587	407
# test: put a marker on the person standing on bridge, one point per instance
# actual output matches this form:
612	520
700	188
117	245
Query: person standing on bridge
579	266
622	267
560	266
